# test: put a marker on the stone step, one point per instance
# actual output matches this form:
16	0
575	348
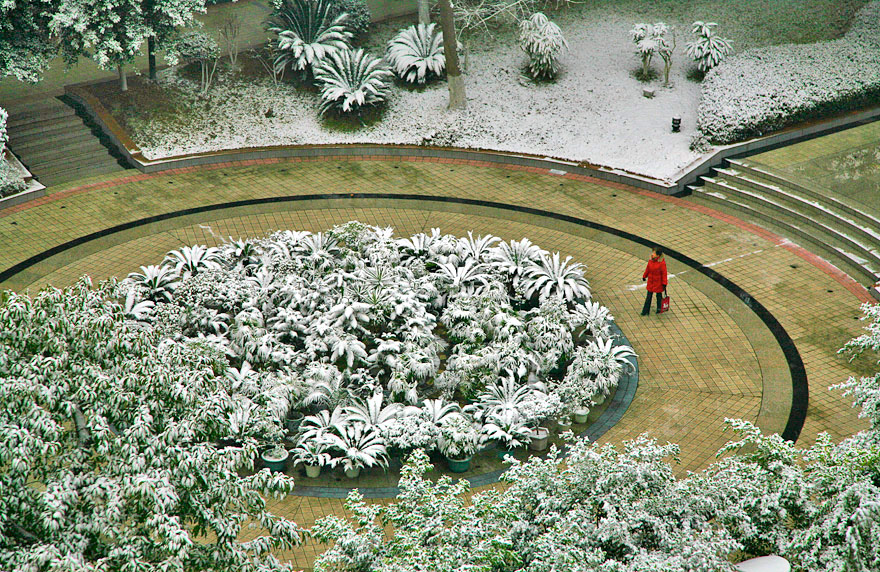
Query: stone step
62	137
856	212
853	265
20	120
72	160
820	228
64	149
46	128
830	212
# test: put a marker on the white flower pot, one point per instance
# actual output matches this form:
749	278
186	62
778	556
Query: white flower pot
540	439
562	426
765	564
353	473
580	415
313	471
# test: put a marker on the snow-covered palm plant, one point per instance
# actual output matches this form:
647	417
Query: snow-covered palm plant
370	411
416	53
192	259
325	385
357	445
470	276
515	257
707	49
351	80
508	428
459	437
500	398
307	32
319	426
479	249
311	452
438	410
542	41
135	309
553	276
157	282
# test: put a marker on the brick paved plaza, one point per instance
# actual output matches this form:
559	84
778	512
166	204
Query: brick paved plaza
710	358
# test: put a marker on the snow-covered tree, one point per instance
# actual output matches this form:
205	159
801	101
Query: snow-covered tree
649	39
110	454
707	49
165	18
26	45
3	137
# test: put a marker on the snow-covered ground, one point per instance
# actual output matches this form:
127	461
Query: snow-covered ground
595	112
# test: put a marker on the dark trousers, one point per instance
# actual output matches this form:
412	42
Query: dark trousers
647	306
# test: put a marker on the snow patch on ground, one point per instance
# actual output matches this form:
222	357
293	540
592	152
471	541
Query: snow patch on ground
594	112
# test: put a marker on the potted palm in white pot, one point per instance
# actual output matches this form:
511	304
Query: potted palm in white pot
313	454
357	446
458	442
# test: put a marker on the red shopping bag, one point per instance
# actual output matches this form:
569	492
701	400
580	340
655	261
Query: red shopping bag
664	304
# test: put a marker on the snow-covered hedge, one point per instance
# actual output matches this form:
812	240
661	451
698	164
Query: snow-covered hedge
762	90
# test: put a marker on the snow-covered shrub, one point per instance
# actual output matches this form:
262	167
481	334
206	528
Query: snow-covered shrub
762	90
3	136
412	431
202	48
308	31
707	49
416	53
543	42
105	427
649	40
11	181
459	437
359	16
351	80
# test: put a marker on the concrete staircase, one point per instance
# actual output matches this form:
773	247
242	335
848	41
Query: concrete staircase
55	144
840	232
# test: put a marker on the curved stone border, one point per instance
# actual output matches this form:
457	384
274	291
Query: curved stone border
627	388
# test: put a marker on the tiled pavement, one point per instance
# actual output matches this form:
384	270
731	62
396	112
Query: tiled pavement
709	359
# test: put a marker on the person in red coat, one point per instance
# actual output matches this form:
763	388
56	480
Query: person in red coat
655	274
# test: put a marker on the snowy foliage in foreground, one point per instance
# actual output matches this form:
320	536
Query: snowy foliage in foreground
762	90
416	53
543	42
606	509
109	455
351	80
348	327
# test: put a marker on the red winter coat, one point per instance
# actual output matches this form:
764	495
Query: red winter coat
656	275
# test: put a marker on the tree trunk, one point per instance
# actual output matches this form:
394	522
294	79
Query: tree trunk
424	12
457	99
151	57
123	80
